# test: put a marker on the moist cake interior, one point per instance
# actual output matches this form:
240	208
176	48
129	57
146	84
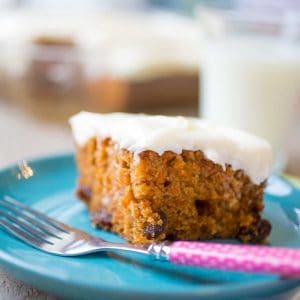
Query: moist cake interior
184	197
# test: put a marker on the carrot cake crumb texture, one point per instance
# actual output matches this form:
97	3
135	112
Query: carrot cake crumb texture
147	196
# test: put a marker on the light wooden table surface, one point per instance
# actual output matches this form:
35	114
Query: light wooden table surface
25	137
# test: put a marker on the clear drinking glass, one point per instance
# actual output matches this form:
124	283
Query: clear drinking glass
250	71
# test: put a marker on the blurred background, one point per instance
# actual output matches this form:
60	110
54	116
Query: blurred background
234	62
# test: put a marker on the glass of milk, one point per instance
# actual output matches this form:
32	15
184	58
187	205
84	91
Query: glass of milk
250	72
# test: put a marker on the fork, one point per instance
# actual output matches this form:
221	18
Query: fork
51	236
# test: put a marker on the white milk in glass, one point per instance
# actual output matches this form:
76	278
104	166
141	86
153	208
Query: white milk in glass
251	83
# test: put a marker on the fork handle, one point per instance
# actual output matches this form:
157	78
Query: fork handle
247	258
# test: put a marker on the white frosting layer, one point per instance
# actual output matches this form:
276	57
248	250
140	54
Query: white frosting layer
138	132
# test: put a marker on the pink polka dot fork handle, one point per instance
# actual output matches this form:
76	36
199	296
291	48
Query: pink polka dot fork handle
246	258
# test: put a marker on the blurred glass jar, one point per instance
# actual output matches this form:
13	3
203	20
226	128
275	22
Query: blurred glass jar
250	71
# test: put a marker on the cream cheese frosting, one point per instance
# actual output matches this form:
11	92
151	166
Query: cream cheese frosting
139	132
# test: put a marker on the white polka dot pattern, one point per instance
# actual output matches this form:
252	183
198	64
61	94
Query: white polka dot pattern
248	258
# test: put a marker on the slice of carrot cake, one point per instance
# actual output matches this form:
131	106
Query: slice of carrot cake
151	178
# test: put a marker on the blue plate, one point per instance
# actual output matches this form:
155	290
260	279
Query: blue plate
127	276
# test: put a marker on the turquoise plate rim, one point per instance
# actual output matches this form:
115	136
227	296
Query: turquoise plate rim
30	275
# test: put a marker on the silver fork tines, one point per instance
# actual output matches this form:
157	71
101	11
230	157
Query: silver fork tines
39	225
52	236
35	213
29	225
